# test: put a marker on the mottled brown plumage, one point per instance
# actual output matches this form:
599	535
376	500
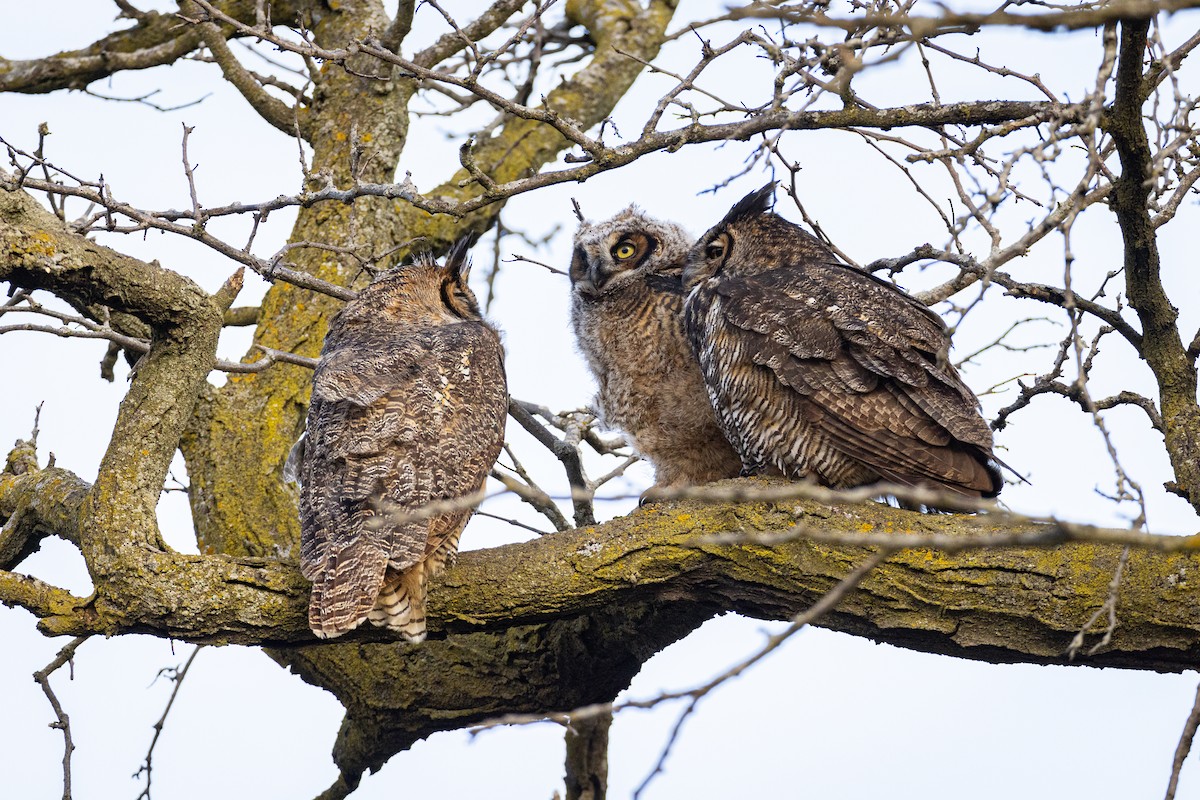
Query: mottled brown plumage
824	371
626	308
408	407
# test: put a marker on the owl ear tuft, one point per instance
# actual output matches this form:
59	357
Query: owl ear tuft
756	203
457	260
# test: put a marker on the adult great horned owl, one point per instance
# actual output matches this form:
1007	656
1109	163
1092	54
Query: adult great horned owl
626	308
408	407
825	371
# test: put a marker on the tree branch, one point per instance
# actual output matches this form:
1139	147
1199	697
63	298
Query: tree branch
479	28
1089	16
587	757
529	669
561	114
972	605
62	721
1162	346
274	111
155	40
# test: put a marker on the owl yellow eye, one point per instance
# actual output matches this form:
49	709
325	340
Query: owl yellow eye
624	250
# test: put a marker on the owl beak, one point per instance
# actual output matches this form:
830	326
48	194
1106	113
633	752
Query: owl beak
587	278
694	273
690	277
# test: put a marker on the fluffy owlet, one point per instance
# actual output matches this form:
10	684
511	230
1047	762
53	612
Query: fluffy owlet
408	407
626	308
825	371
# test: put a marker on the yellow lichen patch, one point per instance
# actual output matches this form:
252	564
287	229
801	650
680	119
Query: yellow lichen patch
683	519
340	136
42	244
866	527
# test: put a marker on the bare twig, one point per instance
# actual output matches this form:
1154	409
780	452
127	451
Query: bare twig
827	603
568	454
176	675
1108	610
61	720
824	605
1184	747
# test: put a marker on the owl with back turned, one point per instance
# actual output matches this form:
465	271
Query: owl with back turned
408	407
627	312
824	371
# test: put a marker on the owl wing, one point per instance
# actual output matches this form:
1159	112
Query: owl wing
872	363
395	422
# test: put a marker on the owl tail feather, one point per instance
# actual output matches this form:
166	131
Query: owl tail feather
330	622
400	605
344	589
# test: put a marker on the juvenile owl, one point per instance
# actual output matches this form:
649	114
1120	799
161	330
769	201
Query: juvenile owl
408	407
825	371
626	308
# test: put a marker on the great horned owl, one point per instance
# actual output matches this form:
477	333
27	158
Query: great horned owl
408	407
626	308
825	371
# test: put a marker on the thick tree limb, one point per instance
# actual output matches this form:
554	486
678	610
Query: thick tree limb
1000	605
157	39
35	505
114	520
1162	345
39	252
587	758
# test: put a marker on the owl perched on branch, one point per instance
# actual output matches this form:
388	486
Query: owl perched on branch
408	408
824	371
626	308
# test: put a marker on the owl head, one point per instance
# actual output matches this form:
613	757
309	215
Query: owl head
421	290
610	255
749	240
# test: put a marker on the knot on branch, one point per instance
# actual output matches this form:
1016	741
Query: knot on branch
22	459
